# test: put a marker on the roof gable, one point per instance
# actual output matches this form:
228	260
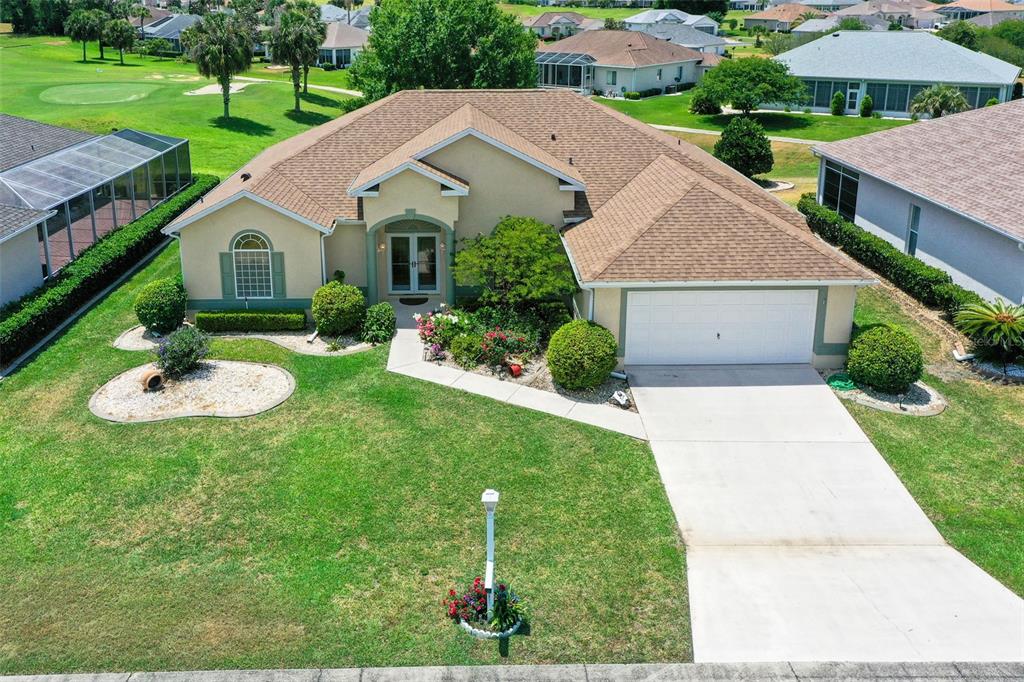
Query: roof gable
623	48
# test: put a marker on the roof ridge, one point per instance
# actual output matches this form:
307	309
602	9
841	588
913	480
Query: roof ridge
281	177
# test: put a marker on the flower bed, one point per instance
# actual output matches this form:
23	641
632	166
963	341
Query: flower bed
469	610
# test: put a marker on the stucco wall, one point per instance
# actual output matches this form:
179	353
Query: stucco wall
500	184
345	249
20	271
203	241
976	257
410	191
839	314
646	77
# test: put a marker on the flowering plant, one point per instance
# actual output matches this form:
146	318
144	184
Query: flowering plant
471	607
498	344
441	326
435	352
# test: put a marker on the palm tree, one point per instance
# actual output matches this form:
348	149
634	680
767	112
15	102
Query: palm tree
999	324
82	25
140	12
296	41
938	100
221	49
101	18
312	11
118	33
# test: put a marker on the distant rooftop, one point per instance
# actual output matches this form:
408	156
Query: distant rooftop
683	34
628	49
23	140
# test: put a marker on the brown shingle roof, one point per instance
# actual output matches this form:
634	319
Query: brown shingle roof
623	48
789	12
15	219
23	140
547	17
611	153
972	163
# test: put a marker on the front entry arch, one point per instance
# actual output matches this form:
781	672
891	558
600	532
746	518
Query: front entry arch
415	252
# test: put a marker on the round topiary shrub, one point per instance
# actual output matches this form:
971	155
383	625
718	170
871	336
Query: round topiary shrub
466	350
380	323
887	359
160	306
581	354
182	351
338	308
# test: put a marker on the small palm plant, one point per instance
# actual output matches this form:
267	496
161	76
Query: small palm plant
997	324
939	100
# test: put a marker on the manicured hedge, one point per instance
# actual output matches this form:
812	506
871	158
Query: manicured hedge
251	320
28	320
908	273
952	297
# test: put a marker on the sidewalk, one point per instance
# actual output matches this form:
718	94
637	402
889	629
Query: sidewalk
701	131
651	672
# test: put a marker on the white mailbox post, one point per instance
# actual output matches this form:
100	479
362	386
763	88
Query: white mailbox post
490	500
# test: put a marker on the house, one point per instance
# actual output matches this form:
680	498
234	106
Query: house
62	189
995	18
681	257
918	14
954	206
746	5
169	28
359	18
966	9
663	17
342	44
892	67
615	62
829	23
780	18
688	36
561	24
824	5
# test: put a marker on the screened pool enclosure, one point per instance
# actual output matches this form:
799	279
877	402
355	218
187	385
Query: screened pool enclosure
95	187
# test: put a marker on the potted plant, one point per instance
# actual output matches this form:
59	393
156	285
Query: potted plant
469	610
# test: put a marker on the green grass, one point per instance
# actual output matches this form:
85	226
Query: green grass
44	79
593	12
674	110
964	466
322	533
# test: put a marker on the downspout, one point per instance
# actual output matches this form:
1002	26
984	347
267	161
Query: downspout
579	281
323	256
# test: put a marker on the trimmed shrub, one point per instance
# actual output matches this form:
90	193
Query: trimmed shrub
338	308
838	104
380	323
251	320
744	146
466	350
885	358
160	306
631	95
952	297
703	104
906	272
867	106
29	319
581	354
182	351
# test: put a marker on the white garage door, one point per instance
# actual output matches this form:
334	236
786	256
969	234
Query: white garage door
720	327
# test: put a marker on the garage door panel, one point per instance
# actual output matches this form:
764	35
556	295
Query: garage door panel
720	327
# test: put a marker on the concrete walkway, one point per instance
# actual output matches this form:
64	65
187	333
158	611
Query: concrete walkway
802	544
651	672
702	131
325	88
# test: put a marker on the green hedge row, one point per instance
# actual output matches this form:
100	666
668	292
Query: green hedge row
908	273
33	316
251	320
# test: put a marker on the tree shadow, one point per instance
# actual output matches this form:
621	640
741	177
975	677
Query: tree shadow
246	126
320	100
771	121
309	118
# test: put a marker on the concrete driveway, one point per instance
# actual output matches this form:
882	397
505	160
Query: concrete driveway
802	544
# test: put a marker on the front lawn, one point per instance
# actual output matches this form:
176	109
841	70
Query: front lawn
593	12
965	467
322	533
675	110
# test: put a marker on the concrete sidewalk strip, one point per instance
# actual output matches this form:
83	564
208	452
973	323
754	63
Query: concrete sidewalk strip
542	401
611	418
486	386
703	131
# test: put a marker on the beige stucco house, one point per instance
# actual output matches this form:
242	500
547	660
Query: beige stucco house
681	257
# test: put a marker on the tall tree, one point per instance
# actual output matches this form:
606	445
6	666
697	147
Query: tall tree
295	41
939	100
120	35
744	146
444	44
101	18
746	83
82	25
963	33
851	24
316	28
139	11
221	48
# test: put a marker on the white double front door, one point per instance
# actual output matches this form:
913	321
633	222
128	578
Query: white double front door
412	263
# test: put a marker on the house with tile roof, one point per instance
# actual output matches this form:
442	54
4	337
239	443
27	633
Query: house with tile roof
780	18
680	256
966	9
955	206
671	17
557	25
918	14
829	23
893	67
616	62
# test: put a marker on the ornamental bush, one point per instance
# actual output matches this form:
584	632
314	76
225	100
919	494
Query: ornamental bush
952	297
251	320
160	306
581	354
744	146
867	106
838	104
466	350
380	323
885	358
338	308
182	351
703	104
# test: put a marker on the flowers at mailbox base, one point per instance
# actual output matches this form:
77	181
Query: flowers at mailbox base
471	606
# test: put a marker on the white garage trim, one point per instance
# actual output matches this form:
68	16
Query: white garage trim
720	326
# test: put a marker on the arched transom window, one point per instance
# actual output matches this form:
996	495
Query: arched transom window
252	266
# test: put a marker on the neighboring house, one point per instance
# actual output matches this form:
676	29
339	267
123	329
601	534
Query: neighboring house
663	17
780	18
830	22
614	62
558	25
995	18
359	18
892	67
169	28
908	13
681	257
62	189
688	36
342	44
967	9
747	5
956	206
825	5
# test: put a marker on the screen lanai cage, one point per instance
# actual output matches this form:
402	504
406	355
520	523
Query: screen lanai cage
94	187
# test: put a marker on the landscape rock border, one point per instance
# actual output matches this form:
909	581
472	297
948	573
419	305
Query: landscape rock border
885	402
985	370
138	338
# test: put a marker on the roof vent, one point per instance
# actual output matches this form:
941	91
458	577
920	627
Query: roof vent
570	160
552	137
246	176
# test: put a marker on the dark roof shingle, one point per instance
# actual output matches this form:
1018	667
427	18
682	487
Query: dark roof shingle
23	140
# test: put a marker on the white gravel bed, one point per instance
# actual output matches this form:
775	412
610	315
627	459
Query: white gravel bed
218	388
137	338
920	400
